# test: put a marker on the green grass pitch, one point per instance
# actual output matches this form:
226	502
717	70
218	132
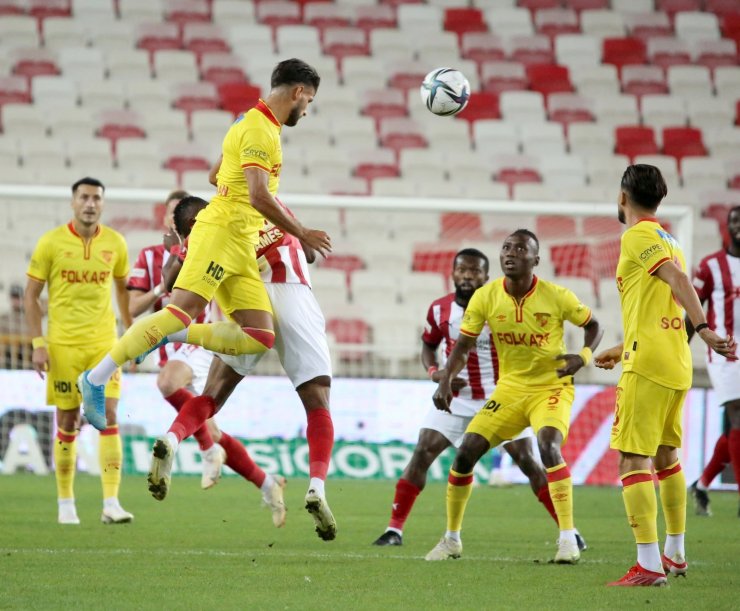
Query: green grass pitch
217	549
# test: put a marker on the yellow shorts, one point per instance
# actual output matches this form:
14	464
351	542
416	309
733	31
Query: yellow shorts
223	265
512	408
66	363
647	415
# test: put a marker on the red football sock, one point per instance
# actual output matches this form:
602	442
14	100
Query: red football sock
543	494
192	416
320	437
717	463
406	494
734	449
179	398
238	459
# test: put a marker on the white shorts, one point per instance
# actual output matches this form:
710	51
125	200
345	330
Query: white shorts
725	376
453	426
199	360
300	336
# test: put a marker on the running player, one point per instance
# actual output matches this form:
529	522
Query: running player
79	261
222	257
470	388
717	281
183	367
301	345
656	373
535	386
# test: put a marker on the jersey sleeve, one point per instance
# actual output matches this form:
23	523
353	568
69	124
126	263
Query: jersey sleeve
40	264
140	280
256	149
647	248
573	309
432	334
121	268
703	281
475	315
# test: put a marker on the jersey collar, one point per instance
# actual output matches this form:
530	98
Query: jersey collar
71	227
649	219
535	279
265	110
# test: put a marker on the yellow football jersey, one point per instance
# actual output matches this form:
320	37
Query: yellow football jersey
253	140
79	277
655	343
528	334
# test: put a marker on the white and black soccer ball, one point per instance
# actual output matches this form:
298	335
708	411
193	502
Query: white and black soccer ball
445	91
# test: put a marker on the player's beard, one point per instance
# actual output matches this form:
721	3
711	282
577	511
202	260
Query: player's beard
293	117
463	294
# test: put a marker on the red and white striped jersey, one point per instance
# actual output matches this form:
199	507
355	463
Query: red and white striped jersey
145	275
443	328
280	255
717	281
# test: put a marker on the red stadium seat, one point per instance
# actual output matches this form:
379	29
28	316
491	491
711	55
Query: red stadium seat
737	112
279	13
14	90
643	80
238	97
555	21
461	225
41	9
350	331
203	38
34	62
482	47
381	103
731	25
371	17
398	133
722	8
433	259
497	77
158	36
714	53
515	169
600	226
671	7
464	20
548	78
12	7
117	124
381	163
347	263
481	105
648	25
665	52
196	96
532	50
635	140
680	142
623	51
569	108
324	15
182	12
221	68
341	42
186	157
535	5
555	226
407	74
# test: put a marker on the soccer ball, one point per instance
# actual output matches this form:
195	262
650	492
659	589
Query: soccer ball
445	91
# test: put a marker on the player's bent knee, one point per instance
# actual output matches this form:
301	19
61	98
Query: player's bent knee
264	339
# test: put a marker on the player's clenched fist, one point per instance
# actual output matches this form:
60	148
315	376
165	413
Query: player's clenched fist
726	346
318	240
443	396
608	359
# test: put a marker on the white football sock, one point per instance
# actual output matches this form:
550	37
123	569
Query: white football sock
648	556
268	483
398	531
317	484
101	373
700	485
453	534
172	438
674	545
568	535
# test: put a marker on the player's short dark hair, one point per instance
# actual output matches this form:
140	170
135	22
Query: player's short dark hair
187	207
177	194
471	252
732	210
294	72
645	185
93	182
529	234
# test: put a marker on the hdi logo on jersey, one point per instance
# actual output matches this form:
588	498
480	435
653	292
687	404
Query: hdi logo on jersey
215	270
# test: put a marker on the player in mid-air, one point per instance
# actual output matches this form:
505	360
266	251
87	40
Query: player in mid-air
300	341
717	281
535	384
656	374
221	258
183	367
475	381
79	262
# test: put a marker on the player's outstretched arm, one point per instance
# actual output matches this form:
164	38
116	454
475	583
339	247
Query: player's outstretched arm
429	361
609	358
592	334
686	295
34	315
455	362
263	201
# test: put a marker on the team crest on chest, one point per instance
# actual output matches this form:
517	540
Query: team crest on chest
542	318
107	255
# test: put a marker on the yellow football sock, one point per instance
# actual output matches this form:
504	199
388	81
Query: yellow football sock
110	457
65	460
560	485
147	331
641	505
229	338
459	489
672	484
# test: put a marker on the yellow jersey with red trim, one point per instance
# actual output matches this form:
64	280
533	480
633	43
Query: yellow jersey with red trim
253	141
655	343
528	334
79	275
